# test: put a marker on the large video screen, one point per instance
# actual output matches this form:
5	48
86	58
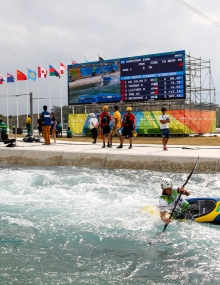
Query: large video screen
132	79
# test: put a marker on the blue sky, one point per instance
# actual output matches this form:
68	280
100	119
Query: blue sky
40	32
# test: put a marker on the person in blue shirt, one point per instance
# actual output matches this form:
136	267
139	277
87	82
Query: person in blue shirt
46	123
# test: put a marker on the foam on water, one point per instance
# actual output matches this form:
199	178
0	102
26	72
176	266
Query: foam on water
86	226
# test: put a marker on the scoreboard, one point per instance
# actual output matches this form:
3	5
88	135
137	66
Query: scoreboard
153	77
141	78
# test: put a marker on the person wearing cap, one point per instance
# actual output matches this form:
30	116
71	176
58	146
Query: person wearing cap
28	125
168	200
129	126
164	126
116	124
94	126
104	121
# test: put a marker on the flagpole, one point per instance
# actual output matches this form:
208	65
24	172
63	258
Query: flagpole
27	92
38	94
49	91
7	99
61	108
17	104
61	104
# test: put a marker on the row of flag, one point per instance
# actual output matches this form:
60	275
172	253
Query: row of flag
32	74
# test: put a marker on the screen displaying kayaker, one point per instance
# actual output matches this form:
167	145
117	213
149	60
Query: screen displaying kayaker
168	200
148	77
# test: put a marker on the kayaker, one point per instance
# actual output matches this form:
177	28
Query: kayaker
168	200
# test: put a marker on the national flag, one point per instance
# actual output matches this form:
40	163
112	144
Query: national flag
32	74
53	71
62	68
41	72
85	60
21	75
100	58
2	79
74	62
10	78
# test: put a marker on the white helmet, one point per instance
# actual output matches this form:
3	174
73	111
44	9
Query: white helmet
166	183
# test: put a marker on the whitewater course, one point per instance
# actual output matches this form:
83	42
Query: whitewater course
72	213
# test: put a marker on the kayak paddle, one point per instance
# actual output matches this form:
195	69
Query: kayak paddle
171	214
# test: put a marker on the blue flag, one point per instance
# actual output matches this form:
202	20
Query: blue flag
10	78
32	74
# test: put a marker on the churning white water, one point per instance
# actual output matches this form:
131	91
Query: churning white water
69	225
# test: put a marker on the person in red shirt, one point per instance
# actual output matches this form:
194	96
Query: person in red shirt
104	121
129	126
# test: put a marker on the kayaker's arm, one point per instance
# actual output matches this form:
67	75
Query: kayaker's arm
183	191
164	218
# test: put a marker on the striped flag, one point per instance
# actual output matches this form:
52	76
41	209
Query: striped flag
2	79
62	68
41	72
53	71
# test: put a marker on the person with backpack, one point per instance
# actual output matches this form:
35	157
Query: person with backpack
46	123
129	126
104	121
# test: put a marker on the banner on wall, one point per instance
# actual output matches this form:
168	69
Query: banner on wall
181	122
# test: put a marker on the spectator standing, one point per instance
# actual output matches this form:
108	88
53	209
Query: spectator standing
69	133
3	128
164	126
116	124
105	119
39	121
94	127
46	123
129	126
28	125
53	126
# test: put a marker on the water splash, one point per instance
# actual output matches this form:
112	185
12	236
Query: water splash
86	226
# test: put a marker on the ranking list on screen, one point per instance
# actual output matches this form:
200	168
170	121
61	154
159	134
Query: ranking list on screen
156	77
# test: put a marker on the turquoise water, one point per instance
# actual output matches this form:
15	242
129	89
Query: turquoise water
86	226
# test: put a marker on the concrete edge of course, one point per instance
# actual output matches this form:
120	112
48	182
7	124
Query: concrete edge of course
11	157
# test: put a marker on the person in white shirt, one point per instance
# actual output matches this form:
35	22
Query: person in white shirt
94	126
164	126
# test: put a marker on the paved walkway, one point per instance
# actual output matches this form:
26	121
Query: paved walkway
141	156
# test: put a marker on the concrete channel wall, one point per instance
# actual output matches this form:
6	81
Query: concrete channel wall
111	160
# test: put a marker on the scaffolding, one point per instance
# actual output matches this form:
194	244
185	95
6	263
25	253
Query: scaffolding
200	90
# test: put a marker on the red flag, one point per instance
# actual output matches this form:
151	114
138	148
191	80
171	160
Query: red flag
41	72
2	79
21	76
62	68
